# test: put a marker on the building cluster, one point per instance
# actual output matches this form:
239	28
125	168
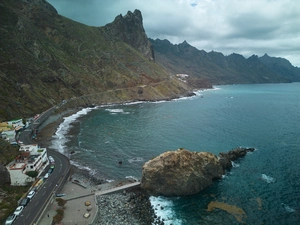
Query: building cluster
182	77
31	157
9	129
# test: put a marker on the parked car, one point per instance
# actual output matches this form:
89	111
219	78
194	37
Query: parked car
18	210
31	194
10	219
24	202
46	176
52	167
51	159
86	215
60	195
50	170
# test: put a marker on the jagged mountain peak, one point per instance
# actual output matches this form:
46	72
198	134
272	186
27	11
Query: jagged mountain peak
137	15
130	19
130	29
184	43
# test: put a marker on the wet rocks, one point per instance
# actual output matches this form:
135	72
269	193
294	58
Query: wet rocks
181	172
133	207
225	158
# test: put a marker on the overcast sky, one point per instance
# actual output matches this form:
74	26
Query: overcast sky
245	27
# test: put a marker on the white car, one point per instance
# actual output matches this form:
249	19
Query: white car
31	194
51	159
10	219
18	210
46	175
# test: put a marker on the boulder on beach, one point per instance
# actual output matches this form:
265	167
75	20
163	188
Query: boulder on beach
182	172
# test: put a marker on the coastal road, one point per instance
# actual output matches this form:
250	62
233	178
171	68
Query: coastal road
52	185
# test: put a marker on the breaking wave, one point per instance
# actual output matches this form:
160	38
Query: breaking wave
268	179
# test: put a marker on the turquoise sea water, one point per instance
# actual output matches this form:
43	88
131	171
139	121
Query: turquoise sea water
265	184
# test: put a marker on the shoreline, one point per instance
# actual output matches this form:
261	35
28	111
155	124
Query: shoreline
127	207
136	205
50	126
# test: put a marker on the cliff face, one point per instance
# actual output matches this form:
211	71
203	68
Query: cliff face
130	30
181	172
46	58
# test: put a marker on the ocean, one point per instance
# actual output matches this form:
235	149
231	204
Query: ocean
261	188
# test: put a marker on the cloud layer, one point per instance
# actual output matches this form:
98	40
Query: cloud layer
242	26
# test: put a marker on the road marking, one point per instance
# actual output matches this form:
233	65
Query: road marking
44	193
27	216
36	203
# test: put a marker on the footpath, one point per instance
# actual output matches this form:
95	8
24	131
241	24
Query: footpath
77	196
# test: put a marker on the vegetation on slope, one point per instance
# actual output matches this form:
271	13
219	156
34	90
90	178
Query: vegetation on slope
46	58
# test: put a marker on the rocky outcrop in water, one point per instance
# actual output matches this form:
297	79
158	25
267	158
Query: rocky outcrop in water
181	172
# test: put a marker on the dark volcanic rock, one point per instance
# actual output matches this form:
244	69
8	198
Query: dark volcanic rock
225	159
181	172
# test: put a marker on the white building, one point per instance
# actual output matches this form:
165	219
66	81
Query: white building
16	123
32	158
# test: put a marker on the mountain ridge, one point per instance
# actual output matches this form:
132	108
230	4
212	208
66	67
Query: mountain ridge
220	69
46	59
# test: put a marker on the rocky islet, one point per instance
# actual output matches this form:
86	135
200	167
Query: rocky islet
182	172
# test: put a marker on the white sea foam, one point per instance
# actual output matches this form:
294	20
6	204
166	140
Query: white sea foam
156	102
133	103
214	88
182	98
287	208
163	209
81	167
136	159
115	110
268	179
109	181
132	177
235	165
198	93
60	138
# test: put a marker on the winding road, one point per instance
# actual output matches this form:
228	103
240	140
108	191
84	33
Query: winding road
35	208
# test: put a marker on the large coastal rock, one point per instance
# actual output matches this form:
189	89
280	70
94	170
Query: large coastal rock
181	172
